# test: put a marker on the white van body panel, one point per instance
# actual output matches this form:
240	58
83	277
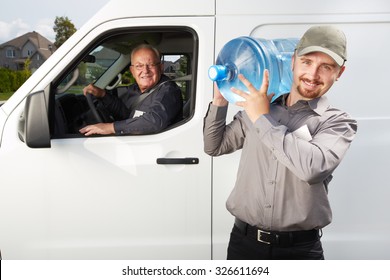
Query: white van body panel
94	209
107	198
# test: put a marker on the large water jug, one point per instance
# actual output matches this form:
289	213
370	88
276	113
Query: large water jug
250	56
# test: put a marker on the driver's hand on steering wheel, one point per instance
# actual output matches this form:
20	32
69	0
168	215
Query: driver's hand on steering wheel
94	90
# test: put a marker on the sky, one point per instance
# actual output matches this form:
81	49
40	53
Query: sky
18	17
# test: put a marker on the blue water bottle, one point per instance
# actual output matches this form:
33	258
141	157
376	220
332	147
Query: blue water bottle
250	56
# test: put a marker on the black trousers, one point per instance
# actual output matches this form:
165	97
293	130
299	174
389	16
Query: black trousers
242	247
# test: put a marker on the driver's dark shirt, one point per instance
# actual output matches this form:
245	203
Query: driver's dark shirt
162	107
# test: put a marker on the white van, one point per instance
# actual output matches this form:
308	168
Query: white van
67	196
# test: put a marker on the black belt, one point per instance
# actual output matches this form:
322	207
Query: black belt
279	238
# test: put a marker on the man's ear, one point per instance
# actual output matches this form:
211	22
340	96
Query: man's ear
342	68
292	62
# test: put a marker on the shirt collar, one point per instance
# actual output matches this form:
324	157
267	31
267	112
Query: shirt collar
318	105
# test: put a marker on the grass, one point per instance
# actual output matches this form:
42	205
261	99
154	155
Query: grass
5	95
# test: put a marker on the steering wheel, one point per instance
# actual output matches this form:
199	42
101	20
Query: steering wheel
93	109
98	117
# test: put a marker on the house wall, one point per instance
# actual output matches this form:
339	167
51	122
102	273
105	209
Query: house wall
28	49
9	62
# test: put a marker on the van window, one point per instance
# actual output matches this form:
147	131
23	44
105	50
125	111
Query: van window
106	64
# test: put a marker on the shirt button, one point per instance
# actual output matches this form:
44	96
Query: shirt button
267	206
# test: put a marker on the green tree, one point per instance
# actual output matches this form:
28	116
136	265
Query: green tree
64	28
5	80
24	74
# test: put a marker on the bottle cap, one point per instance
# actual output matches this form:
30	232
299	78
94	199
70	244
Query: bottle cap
218	72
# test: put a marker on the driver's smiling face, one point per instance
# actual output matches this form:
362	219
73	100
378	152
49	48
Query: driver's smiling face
146	68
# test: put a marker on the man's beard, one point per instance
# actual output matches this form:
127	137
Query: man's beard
308	94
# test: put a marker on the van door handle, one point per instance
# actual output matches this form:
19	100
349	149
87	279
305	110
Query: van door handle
190	160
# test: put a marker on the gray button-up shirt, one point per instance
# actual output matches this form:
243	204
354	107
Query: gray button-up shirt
287	161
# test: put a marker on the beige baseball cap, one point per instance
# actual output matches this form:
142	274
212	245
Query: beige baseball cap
325	39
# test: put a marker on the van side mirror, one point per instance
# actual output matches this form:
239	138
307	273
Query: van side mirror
34	123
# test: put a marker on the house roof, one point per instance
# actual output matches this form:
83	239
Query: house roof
41	44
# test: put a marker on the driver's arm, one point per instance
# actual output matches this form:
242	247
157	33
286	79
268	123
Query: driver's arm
94	90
